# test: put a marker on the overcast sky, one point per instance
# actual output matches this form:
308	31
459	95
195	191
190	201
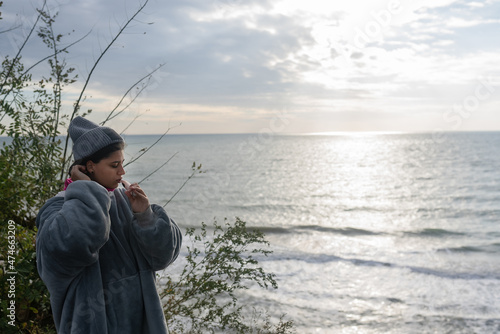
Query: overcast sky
293	66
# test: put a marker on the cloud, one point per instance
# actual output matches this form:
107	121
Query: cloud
240	60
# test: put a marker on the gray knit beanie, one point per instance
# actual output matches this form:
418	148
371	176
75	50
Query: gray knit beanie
88	137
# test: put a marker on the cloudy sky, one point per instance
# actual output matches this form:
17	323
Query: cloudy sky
292	66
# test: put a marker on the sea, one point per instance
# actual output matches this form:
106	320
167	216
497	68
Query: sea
369	232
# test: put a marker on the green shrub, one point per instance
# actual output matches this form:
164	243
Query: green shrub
205	296
33	312
30	162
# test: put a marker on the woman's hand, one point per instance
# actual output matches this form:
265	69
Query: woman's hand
78	173
137	197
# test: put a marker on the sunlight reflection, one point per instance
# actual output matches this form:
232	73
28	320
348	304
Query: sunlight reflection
365	180
353	133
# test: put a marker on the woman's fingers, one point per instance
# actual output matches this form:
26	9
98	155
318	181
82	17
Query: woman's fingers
138	198
134	189
78	173
126	184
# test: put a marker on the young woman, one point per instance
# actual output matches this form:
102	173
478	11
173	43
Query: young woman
98	246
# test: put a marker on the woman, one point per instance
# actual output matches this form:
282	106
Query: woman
98	246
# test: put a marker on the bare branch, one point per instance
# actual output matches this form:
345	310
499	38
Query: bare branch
42	60
129	124
196	170
122	29
18	55
151	146
178	190
77	103
144	85
54	54
157	169
10	29
147	76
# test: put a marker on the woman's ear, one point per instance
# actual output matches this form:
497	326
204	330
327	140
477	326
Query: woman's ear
90	167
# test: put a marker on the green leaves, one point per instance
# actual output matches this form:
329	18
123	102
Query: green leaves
220	265
33	314
30	111
30	162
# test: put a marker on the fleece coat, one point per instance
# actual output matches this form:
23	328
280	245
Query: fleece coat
98	260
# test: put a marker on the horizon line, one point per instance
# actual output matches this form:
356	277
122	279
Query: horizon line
322	133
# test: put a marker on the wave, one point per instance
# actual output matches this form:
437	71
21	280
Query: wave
462	249
351	231
492	248
271	229
434	232
361	208
464	198
348	231
260	207
458	211
324	258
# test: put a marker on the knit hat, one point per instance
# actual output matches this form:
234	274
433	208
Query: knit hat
88	137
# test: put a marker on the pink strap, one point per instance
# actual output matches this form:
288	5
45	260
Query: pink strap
69	181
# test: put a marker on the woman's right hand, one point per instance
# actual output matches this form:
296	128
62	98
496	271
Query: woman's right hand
78	173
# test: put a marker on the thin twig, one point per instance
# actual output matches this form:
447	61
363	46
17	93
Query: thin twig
59	51
39	62
10	29
77	103
58	69
147	76
144	86
157	169
147	149
129	124
18	55
178	190
182	186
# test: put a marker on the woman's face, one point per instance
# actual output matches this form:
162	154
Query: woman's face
109	171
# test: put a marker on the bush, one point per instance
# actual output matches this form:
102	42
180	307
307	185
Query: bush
33	312
30	162
205	296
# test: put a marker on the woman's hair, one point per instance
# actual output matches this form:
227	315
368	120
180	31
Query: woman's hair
103	153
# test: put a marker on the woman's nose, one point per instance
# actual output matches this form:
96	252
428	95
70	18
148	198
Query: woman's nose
121	171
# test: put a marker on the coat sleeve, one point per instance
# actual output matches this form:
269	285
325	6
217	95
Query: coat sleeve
73	230
158	237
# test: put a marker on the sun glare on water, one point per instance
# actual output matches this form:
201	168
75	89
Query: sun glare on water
354	133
